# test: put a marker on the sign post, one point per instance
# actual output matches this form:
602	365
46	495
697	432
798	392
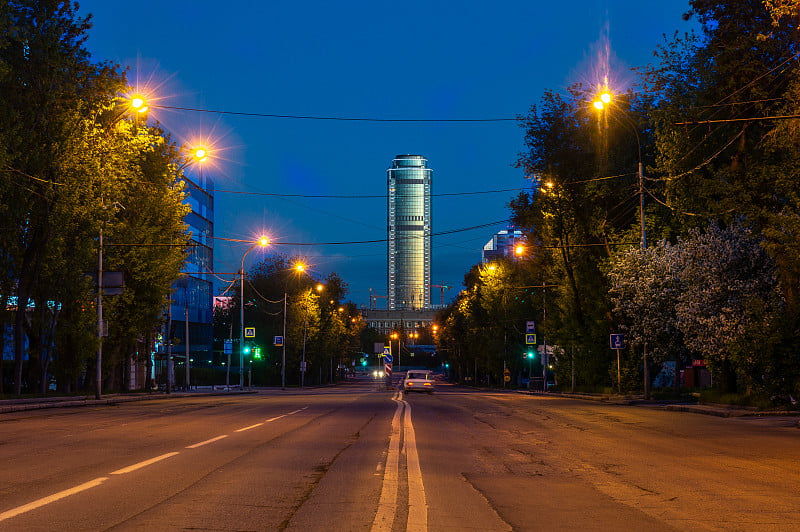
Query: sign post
618	342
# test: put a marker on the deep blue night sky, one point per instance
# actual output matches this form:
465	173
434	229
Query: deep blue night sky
370	58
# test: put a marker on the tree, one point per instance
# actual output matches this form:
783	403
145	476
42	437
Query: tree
729	306
645	289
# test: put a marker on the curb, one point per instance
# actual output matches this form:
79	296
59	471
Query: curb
22	405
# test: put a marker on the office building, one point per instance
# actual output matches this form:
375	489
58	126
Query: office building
502	245
409	233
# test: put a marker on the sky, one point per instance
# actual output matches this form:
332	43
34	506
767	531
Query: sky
417	59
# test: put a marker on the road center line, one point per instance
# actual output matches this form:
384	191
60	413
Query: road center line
417	503
145	463
212	440
387	507
250	427
51	498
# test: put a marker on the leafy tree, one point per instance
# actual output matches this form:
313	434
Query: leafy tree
645	289
729	306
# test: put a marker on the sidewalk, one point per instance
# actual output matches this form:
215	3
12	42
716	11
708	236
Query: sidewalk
717	410
36	403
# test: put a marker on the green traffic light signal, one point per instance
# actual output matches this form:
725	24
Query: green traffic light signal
247	350
257	353
531	354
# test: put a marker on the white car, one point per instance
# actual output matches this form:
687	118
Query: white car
419	381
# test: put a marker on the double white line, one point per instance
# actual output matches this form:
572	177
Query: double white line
417	504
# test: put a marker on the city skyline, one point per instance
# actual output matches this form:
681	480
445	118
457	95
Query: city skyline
290	108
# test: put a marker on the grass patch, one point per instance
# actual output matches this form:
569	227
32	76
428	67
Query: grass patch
734	399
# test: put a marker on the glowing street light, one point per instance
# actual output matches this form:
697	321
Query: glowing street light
605	98
138	103
262	242
602	101
199	154
320	287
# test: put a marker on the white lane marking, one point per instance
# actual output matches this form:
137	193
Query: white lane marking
284	415
250	427
417	503
387	507
96	482
145	463
51	498
212	440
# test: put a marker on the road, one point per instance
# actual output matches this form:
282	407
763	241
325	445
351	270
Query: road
358	457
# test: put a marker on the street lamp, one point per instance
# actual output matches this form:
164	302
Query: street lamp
604	99
136	104
298	267
262	242
319	287
395	336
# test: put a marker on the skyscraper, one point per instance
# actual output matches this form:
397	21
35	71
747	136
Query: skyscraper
409	228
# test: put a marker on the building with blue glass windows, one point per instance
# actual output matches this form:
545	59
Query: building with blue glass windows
192	295
409	233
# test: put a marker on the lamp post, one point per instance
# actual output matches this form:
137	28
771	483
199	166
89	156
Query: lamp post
395	336
305	328
604	99
262	242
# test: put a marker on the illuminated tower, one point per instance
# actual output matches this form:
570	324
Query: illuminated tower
409	227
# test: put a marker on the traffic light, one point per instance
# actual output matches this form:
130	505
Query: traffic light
257	353
530	354
246	349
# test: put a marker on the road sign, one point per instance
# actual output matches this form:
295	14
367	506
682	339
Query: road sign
388	369
388	359
617	341
530	339
249	332
387	350
278	341
228	345
507	378
530	327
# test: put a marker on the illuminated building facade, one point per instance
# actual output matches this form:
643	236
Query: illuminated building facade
409	232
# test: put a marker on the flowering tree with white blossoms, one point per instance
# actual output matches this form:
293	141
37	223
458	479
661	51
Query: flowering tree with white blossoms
645	289
730	302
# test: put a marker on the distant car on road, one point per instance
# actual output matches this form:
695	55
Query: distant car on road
419	381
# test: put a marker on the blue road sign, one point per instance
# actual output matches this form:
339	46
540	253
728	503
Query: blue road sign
387	359
278	342
617	341
249	332
530	339
530	327
228	347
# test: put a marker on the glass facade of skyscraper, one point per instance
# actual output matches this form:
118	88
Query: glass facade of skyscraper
193	292
409	232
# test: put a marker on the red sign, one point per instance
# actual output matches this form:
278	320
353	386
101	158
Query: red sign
698	363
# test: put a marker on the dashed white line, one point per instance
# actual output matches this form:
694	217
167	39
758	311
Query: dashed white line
284	415
250	427
51	498
212	440
145	463
8	514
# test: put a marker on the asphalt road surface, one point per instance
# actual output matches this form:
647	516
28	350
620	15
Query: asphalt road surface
360	457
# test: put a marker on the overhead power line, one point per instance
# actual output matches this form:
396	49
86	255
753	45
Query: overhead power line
337	118
375	241
357	196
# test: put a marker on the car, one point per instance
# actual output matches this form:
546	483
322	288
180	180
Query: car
419	381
